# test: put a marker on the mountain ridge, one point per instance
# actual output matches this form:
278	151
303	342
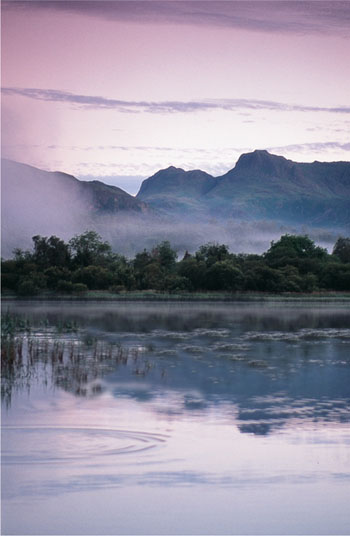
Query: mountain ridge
262	186
255	202
262	191
98	196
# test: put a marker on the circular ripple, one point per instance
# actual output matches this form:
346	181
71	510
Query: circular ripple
29	444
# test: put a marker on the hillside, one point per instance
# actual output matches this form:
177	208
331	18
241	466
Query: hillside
260	186
262	197
55	186
176	190
272	187
40	202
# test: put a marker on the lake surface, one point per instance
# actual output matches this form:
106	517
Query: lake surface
206	418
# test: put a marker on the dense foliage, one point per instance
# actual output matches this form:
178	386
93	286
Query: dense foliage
86	262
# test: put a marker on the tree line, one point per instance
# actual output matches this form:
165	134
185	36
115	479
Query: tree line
86	262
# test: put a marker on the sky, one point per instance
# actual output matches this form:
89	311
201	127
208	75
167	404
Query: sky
116	90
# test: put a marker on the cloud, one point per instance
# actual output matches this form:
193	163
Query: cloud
297	17
316	146
159	107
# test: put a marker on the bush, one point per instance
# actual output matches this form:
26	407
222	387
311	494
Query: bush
336	277
54	274
69	287
64	286
194	271
222	275
27	287
116	289
176	283
79	288
95	277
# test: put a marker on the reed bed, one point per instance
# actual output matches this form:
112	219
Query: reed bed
61	356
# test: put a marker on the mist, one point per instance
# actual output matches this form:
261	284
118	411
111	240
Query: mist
130	235
36	202
129	183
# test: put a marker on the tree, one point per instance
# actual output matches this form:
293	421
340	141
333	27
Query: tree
165	255
336	276
94	277
212	253
55	274
342	249
264	279
31	284
194	270
89	249
141	261
123	272
9	274
153	277
22	256
27	287
223	276
176	283
50	251
292	250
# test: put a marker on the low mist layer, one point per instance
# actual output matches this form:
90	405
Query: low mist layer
129	235
36	202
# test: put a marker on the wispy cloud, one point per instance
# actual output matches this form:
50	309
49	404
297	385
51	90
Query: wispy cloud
316	146
302	17
159	107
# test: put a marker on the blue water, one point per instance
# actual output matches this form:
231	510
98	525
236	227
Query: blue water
178	419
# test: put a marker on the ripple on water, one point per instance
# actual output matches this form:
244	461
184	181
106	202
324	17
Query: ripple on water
45	444
305	334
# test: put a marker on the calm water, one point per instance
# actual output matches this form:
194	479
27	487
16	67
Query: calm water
178	419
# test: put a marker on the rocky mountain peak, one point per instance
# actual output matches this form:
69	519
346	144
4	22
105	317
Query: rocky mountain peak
263	162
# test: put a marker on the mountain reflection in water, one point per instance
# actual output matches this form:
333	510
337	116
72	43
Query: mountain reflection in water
144	418
266	365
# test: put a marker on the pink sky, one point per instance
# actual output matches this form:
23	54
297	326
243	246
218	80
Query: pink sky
121	89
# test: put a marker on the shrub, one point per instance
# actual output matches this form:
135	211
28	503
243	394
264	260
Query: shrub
64	286
27	287
79	288
116	289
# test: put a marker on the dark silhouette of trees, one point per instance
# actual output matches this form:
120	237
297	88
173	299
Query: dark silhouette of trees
50	251
89	249
86	262
293	251
342	249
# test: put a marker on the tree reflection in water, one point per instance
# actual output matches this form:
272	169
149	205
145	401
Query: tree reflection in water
268	367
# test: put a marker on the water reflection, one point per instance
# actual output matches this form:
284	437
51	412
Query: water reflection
175	419
270	365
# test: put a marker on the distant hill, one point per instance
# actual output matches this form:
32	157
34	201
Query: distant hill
174	189
40	202
260	186
54	186
262	197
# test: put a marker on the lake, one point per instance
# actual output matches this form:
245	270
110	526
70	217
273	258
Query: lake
176	418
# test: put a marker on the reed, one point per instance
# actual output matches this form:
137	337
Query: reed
62	354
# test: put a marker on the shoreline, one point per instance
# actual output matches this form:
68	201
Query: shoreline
93	296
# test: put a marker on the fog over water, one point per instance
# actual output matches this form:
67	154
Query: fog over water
176	418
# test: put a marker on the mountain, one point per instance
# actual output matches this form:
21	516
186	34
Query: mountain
40	202
32	183
262	197
174	189
260	186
